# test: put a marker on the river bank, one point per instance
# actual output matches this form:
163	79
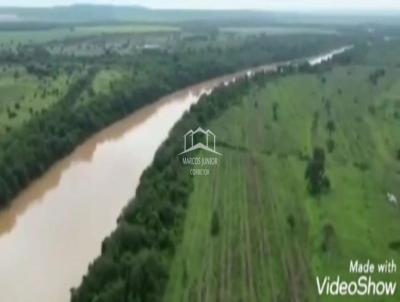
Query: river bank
80	189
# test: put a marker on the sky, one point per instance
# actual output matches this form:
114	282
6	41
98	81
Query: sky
305	5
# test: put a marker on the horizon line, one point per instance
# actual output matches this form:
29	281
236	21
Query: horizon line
308	10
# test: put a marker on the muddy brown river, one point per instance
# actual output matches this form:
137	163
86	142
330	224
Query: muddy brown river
55	227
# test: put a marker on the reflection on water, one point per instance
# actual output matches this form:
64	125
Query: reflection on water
329	55
55	227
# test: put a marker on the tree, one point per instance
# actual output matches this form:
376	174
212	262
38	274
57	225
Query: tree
113	292
215	224
146	277
371	109
291	221
318	182
331	126
330	145
328	238
275	107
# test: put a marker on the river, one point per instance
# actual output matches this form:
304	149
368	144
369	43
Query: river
54	228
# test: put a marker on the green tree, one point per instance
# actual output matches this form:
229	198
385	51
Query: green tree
331	126
318	182
147	276
215	227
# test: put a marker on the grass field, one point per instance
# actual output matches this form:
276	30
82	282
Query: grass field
275	238
10	39
23	95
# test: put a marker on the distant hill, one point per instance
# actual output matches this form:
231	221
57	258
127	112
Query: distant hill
99	13
85	13
73	13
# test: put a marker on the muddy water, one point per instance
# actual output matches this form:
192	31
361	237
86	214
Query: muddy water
54	228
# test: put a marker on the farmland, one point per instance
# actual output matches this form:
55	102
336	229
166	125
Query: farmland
77	30
24	95
274	237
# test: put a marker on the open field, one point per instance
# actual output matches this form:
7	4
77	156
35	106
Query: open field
13	38
24	95
274	238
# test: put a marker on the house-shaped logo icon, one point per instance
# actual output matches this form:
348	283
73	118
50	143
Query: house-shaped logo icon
199	139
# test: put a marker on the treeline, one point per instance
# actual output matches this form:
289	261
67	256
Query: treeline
136	257
26	152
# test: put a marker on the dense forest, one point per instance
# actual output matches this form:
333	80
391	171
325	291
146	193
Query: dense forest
27	151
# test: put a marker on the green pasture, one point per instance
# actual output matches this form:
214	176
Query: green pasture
13	38
273	239
22	95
